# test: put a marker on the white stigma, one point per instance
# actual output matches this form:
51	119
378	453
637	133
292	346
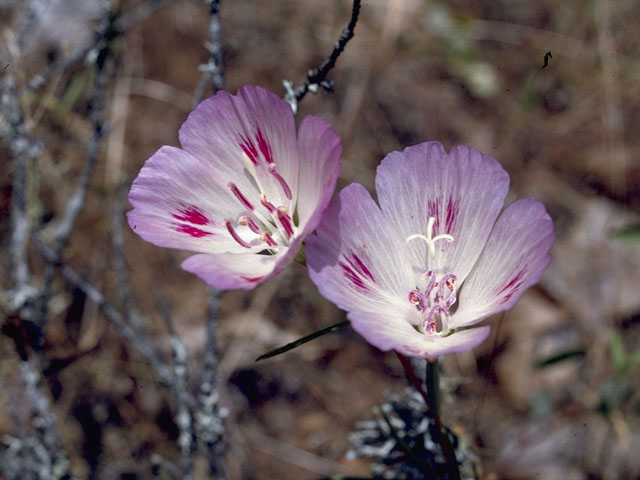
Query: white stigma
429	238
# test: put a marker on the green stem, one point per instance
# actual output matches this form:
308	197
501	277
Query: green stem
432	381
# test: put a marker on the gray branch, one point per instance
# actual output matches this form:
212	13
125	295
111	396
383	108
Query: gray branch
317	78
139	342
213	70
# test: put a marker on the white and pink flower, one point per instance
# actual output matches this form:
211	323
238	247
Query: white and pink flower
436	256
243	191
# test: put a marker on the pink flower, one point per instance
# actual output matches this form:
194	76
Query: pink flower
436	257
243	190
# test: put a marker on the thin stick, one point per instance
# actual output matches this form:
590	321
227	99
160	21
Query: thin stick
182	397
21	150
432	380
141	343
209	420
213	70
411	375
119	263
317	78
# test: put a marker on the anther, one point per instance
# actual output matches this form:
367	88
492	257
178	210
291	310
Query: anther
234	234
268	239
282	181
285	221
246	221
267	204
234	189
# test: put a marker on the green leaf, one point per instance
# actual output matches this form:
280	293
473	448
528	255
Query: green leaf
617	351
303	340
73	91
560	357
630	234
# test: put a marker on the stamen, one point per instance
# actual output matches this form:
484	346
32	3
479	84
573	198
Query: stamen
285	221
448	281
431	282
234	234
268	239
416	298
240	196
430	323
283	182
246	221
267	204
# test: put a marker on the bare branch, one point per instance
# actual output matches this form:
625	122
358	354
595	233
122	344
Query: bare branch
82	52
142	12
209	417
76	202
317	78
213	70
182	398
22	149
117	240
140	342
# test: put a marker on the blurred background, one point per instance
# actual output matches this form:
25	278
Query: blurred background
553	393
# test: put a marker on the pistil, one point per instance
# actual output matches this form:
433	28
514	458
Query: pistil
429	238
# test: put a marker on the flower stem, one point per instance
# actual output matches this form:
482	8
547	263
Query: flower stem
432	382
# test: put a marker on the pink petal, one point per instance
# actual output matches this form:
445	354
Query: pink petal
320	151
354	261
514	258
388	332
254	127
237	271
464	191
179	203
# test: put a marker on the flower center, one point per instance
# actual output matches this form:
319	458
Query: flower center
277	226
435	302
429	238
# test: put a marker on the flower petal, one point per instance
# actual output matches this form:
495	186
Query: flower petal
241	136
514	258
179	203
320	151
354	261
396	333
464	191
237	271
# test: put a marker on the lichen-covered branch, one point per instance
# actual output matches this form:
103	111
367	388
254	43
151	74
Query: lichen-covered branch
318	78
213	70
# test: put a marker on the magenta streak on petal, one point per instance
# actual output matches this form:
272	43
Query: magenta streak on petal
264	147
433	210
193	231
252	279
240	196
235	235
249	149
360	267
283	182
510	288
285	221
452	213
192	215
353	276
